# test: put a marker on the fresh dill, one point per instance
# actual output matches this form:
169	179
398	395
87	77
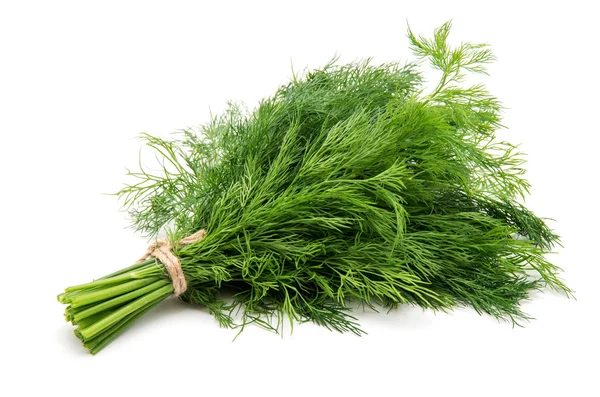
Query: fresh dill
350	184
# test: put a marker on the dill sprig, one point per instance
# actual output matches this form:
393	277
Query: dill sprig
350	184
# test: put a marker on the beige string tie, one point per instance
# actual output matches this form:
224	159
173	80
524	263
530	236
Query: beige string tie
162	250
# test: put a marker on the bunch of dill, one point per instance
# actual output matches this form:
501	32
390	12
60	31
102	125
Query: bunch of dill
350	184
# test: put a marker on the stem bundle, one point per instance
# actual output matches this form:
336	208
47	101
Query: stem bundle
104	308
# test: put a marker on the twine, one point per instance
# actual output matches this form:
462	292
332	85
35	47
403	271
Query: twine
162	250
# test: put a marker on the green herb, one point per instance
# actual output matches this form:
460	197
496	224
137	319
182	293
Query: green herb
350	184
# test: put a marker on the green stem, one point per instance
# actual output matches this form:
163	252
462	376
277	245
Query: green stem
98	283
106	293
132	268
96	328
119	300
141	270
86	322
98	343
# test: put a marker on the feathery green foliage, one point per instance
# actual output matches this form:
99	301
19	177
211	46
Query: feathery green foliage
350	184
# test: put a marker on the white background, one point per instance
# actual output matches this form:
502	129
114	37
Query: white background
79	81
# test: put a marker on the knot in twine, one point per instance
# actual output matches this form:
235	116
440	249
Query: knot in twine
162	250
